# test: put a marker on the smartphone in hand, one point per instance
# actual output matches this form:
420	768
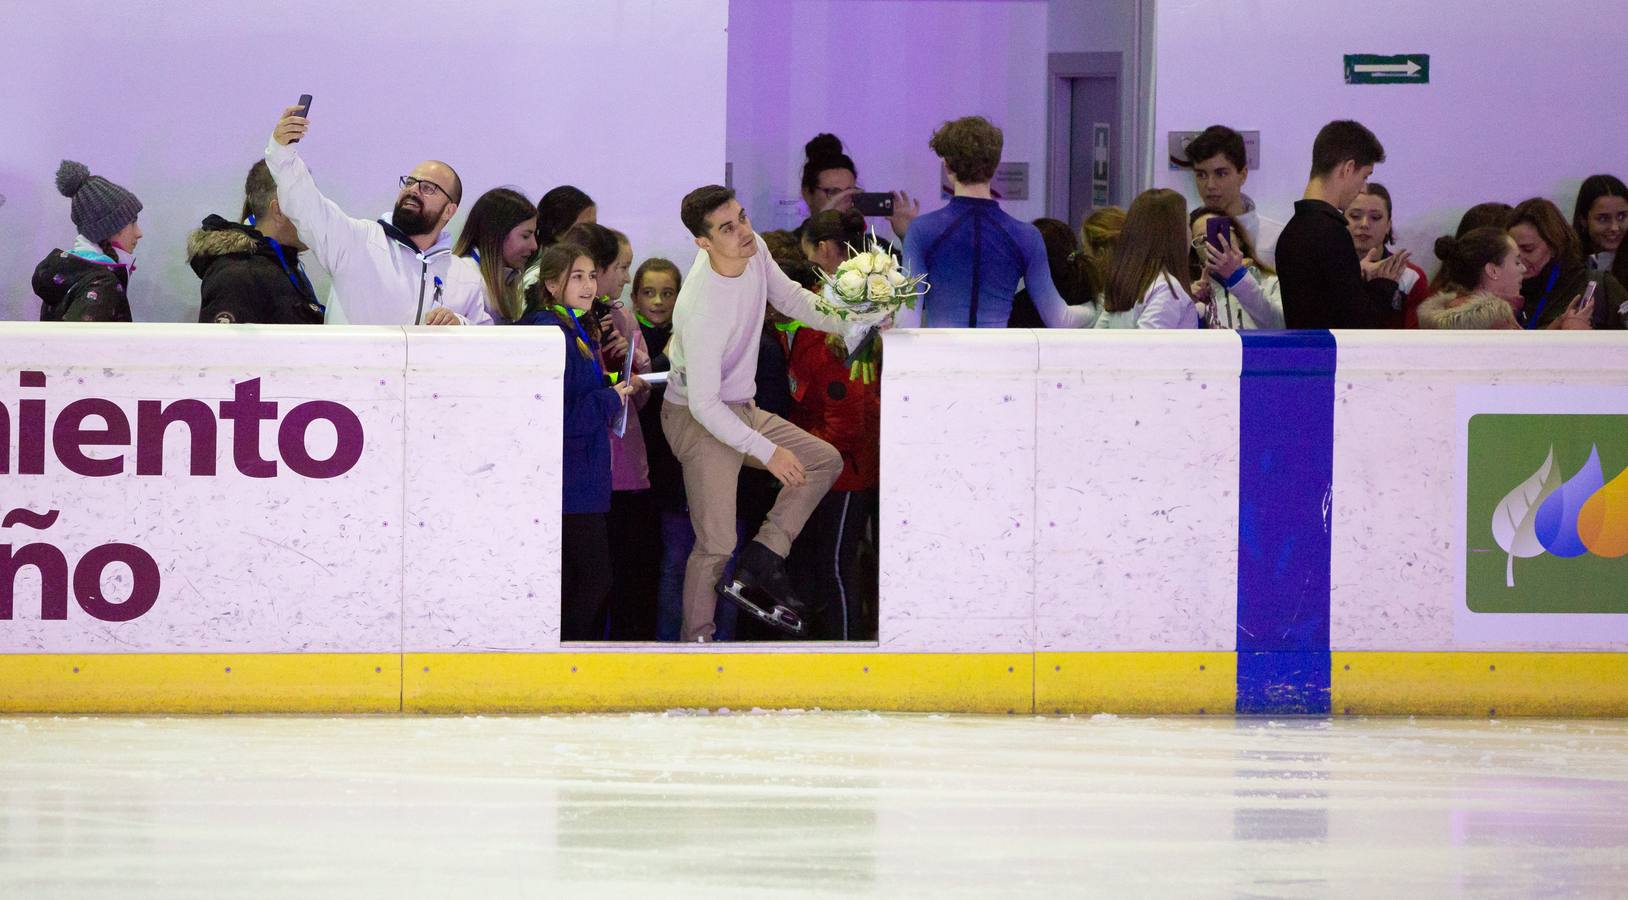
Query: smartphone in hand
1215	229
304	104
874	204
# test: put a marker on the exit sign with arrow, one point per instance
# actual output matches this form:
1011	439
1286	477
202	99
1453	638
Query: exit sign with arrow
1369	68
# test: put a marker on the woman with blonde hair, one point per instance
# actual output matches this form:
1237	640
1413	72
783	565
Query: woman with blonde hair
1099	235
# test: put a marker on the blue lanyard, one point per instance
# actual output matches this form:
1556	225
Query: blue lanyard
289	273
1548	289
582	335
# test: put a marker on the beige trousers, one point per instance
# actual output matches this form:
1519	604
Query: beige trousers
711	470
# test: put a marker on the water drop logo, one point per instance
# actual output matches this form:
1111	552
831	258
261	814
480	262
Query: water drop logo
1565	518
1556	521
1602	523
1546	514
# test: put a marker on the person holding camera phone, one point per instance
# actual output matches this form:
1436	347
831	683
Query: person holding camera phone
1238	290
830	181
395	271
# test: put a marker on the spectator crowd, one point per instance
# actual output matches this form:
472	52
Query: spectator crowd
718	444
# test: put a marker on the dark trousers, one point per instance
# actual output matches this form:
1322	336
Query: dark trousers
834	560
635	556
585	576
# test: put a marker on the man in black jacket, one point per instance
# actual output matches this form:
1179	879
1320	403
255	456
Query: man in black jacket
1325	284
251	272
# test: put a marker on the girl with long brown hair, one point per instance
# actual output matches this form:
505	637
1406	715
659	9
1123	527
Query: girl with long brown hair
498	239
561	297
1148	269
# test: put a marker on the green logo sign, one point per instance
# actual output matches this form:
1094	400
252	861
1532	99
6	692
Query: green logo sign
1369	68
1548	514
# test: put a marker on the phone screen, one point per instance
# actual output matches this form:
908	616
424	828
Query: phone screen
875	204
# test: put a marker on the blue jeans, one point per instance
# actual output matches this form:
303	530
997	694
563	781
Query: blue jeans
677	540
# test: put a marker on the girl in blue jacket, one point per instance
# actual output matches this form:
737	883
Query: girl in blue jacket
561	297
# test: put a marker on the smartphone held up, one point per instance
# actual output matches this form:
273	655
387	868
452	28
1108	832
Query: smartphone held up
304	104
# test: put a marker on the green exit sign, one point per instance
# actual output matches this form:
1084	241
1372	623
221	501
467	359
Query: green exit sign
1372	68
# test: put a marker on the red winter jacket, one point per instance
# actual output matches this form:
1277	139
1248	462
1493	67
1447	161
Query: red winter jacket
844	413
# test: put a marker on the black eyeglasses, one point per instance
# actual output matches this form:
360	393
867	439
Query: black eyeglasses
427	188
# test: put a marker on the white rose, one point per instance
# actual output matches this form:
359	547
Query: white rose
883	262
862	263
896	278
851	283
877	287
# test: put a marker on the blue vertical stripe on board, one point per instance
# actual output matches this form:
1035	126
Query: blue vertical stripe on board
1285	492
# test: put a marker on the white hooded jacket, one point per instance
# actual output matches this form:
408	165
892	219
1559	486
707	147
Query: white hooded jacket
379	276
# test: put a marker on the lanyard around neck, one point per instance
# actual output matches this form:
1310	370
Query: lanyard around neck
1548	290
583	339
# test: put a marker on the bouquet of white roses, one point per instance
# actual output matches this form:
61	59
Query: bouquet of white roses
867	289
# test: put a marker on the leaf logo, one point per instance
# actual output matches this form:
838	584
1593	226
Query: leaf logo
1514	522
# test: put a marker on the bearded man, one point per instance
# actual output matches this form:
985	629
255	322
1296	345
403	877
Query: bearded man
395	271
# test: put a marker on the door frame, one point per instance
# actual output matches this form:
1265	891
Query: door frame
1061	68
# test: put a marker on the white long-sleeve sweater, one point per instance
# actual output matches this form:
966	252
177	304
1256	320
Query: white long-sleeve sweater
1163	305
717	323
378	278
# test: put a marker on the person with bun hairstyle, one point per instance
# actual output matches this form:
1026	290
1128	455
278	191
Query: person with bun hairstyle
1601	220
972	252
87	283
828	238
1369	219
498	240
1482	274
561	297
830	181
1556	273
561	208
1493	212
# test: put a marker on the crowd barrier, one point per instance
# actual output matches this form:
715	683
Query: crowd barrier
206	519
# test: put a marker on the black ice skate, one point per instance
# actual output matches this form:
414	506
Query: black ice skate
760	587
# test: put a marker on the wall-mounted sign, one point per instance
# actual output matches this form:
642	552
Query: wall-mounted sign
1101	160
1404	68
1011	181
1180	139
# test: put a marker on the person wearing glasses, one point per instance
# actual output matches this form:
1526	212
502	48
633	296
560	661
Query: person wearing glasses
395	271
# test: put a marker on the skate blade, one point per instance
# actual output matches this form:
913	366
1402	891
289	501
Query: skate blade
777	617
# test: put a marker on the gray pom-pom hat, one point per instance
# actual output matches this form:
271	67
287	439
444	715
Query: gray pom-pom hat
100	207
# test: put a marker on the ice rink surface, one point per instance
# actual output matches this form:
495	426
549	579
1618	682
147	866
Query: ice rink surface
787	804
